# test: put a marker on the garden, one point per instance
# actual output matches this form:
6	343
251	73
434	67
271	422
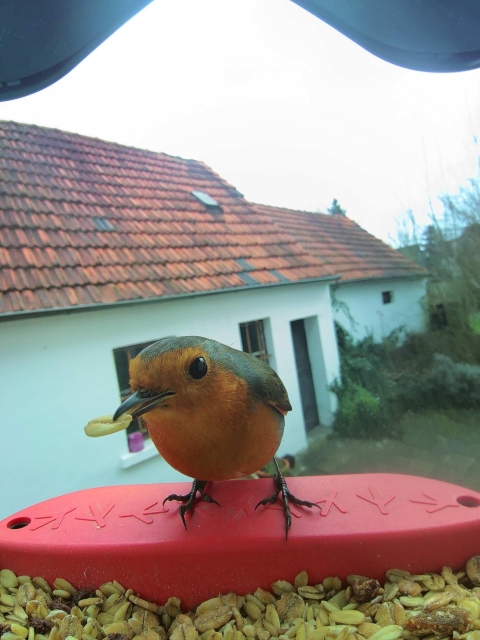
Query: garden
411	404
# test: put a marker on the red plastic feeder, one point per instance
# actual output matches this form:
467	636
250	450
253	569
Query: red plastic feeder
368	524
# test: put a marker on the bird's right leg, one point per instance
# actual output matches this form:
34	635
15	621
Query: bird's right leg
287	496
189	498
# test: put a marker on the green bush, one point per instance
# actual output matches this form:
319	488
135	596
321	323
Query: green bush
361	362
360	415
364	395
444	385
418	350
435	370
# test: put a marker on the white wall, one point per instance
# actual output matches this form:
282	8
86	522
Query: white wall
364	302
58	372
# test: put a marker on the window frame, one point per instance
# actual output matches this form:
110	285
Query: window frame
387	297
131	351
258	327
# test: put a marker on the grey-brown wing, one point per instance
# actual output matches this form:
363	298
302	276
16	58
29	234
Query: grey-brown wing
275	394
261	378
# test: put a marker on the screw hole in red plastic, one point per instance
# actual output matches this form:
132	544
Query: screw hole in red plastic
468	501
18	523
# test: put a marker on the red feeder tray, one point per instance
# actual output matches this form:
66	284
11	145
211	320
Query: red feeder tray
368	524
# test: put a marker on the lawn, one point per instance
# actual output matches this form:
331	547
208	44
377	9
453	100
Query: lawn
445	446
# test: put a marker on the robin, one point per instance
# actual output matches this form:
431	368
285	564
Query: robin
214	413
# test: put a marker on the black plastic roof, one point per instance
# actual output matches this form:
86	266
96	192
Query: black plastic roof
426	35
42	40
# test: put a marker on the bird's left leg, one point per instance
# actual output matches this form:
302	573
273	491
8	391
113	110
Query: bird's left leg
189	498
287	496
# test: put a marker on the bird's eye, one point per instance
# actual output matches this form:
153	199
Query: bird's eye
198	368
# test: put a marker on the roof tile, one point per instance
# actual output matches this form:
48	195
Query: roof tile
83	222
339	243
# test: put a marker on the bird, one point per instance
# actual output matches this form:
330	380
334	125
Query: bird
213	412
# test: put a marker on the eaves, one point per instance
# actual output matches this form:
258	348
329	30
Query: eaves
99	306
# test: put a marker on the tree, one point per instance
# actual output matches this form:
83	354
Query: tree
437	251
335	209
408	232
452	255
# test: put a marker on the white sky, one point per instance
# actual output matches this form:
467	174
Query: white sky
282	106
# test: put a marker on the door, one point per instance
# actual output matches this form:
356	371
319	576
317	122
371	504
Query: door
304	373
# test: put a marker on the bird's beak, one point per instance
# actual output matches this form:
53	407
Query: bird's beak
140	403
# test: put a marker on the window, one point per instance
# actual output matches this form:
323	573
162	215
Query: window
253	339
208	202
205	199
387	297
102	224
122	357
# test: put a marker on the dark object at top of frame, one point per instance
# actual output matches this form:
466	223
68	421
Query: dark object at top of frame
42	40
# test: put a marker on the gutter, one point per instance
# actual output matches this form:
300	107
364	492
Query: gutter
97	306
410	276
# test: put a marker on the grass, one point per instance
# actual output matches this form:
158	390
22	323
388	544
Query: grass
445	446
474	322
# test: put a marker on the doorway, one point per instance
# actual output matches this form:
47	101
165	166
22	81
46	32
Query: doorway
304	373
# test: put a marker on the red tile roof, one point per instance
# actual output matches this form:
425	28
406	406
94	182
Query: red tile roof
86	222
340	243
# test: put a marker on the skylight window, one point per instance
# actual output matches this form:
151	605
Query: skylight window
103	224
205	199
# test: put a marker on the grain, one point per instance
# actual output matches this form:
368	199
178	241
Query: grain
430	606
473	570
347	617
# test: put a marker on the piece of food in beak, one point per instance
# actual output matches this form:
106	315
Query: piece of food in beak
105	425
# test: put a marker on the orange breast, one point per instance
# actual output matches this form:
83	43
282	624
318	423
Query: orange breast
229	437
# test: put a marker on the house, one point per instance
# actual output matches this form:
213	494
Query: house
104	249
380	289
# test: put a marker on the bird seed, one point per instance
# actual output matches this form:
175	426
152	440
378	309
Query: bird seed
429	606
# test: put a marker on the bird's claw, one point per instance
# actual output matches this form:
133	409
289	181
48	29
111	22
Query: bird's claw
189	499
286	497
206	498
269	499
